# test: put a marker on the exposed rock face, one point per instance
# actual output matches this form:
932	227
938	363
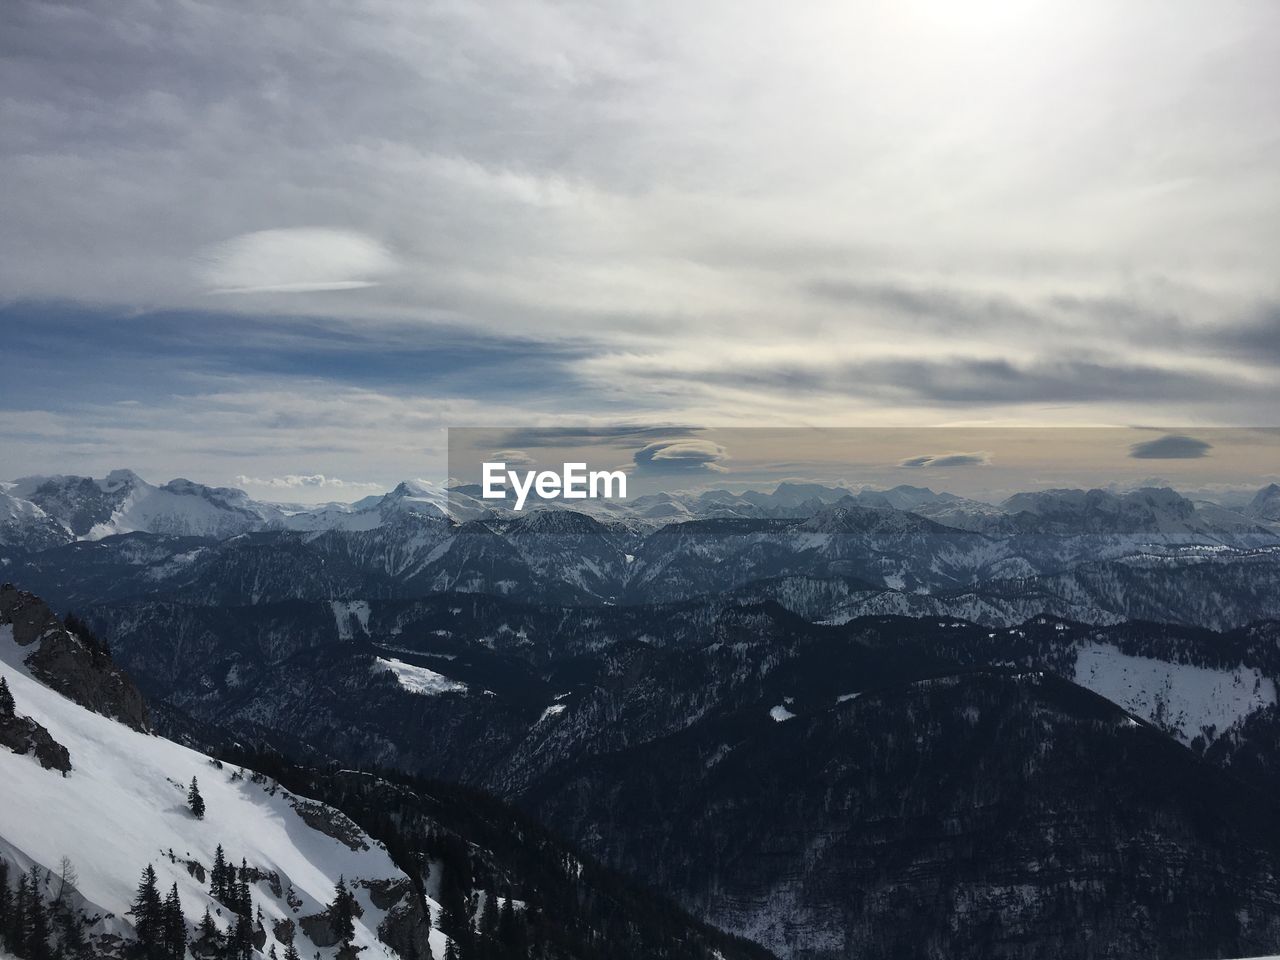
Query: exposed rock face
330	822
66	663
405	929
318	930
284	931
23	735
386	893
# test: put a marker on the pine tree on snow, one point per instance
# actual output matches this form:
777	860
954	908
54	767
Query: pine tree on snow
342	913
175	927
242	938
16	935
218	876
510	933
37	920
195	801
6	903
7	707
148	916
242	899
208	941
489	916
70	935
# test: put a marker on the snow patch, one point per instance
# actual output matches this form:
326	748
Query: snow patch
553	711
780	713
418	680
349	612
1182	699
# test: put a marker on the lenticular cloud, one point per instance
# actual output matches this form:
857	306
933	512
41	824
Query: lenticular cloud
297	260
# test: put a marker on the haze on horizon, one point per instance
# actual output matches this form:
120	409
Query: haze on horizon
243	242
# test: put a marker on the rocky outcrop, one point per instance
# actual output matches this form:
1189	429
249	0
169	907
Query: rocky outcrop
68	663
284	931
405	929
23	735
318	930
330	822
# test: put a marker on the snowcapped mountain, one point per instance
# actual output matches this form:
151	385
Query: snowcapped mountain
1265	506
25	527
1091	555
1150	510
410	498
40	511
123	502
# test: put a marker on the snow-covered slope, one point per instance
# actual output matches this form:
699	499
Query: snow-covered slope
1265	505
1185	700
123	805
24	526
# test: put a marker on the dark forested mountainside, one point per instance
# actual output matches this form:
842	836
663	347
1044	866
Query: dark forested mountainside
759	767
994	814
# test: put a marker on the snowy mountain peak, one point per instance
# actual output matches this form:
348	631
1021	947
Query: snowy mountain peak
121	479
1266	503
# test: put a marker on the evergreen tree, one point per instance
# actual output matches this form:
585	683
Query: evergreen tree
342	913
242	900
7	708
218	876
148	916
37	939
242	938
454	919
175	927
489	921
6	904
510	929
195	801
290	951
17	933
70	935
208	941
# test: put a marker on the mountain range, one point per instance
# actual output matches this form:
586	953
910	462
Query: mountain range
42	510
834	723
1092	556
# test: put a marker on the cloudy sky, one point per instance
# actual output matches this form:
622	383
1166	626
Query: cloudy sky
275	241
